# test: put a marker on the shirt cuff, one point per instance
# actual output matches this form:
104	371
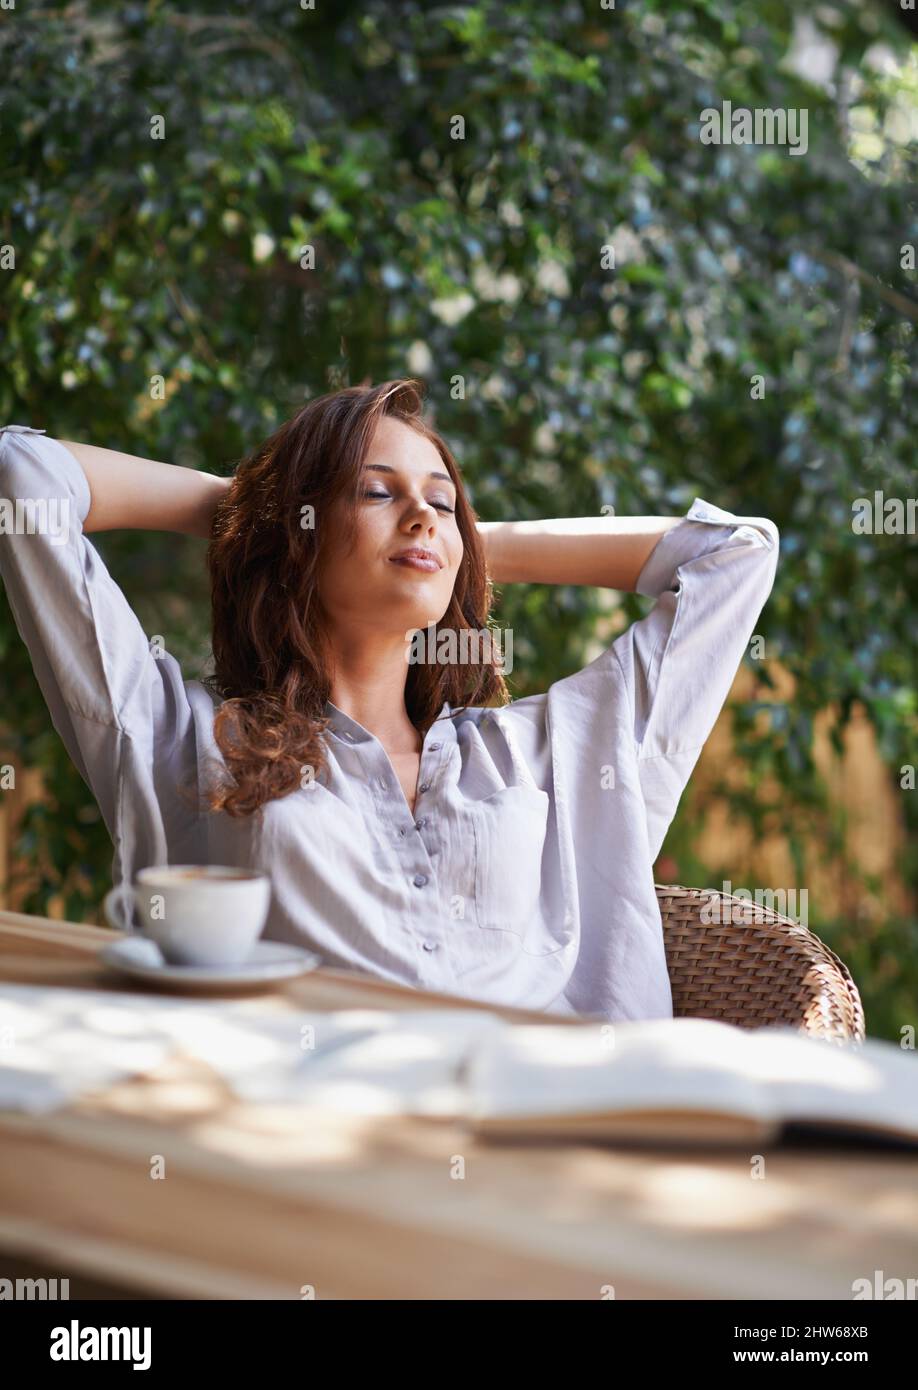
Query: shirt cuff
682	543
66	469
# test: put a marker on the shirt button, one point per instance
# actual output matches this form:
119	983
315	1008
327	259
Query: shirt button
420	880
430	945
435	746
419	823
424	787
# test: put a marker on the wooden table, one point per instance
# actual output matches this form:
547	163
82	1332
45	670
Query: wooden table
267	1202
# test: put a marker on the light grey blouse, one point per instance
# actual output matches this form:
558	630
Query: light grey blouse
525	875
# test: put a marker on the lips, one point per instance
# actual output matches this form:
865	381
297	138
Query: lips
417	558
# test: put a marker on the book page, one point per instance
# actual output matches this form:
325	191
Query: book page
873	1084
684	1065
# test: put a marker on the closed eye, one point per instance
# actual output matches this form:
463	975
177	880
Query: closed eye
440	506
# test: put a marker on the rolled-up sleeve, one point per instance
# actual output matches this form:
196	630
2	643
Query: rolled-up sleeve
710	576
121	710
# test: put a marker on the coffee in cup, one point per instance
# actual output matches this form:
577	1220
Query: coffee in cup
198	914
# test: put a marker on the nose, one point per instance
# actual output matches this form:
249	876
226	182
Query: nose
421	512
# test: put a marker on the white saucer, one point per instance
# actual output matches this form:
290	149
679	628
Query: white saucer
269	960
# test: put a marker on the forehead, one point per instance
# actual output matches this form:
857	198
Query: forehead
398	446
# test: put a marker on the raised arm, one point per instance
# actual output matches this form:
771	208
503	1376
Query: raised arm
607	552
121	705
141	494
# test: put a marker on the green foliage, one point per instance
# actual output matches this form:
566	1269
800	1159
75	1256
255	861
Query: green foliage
479	259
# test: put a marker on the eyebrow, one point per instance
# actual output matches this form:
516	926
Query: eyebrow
384	468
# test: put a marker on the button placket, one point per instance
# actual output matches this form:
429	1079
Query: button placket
408	846
380	779
425	786
422	880
429	944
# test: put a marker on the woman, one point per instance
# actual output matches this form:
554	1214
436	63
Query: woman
416	826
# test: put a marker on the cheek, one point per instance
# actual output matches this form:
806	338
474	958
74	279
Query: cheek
350	552
456	557
456	548
343	568
372	538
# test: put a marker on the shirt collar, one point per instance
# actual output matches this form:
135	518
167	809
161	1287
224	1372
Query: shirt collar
348	729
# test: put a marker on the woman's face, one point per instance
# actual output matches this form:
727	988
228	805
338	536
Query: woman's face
407	500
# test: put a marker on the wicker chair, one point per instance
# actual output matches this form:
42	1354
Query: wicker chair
760	969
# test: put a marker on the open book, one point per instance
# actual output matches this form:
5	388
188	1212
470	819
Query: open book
687	1080
683	1080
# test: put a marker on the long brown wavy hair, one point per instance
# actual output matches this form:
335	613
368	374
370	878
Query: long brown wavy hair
270	636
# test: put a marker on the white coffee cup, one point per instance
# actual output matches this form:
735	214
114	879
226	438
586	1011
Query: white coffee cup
198	914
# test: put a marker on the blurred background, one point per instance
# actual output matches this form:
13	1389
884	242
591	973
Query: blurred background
206	219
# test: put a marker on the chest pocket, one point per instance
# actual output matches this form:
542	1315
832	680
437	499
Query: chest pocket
510	831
